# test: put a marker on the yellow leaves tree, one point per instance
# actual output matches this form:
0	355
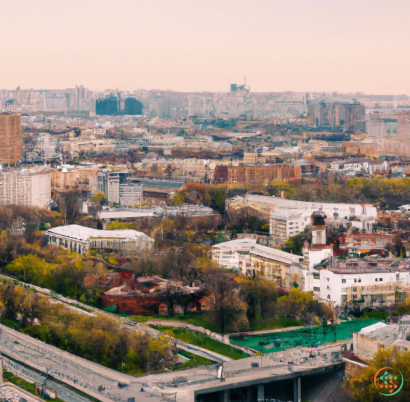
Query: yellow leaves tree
179	197
359	382
32	269
99	197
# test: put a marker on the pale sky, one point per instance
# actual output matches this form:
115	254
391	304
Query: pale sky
200	45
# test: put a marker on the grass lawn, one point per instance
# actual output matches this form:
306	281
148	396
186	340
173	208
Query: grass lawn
276	324
194	361
201	321
194	319
203	341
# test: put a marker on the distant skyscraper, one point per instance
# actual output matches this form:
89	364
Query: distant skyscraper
18	95
348	116
11	140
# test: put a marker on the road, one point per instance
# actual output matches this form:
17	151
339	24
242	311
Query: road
121	321
72	370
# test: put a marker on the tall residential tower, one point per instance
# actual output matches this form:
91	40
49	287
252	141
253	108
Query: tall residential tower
11	140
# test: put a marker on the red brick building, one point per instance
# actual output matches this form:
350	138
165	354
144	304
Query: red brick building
255	176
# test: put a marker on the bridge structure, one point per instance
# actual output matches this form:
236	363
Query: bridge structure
277	376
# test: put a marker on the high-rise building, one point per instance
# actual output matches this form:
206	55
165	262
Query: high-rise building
348	116
119	189
29	187
11	140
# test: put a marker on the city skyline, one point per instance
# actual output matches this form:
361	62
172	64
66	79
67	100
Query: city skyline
293	45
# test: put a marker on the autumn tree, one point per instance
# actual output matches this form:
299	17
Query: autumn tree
260	296
70	205
360	383
228	311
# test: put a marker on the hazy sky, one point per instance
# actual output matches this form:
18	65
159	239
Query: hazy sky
185	45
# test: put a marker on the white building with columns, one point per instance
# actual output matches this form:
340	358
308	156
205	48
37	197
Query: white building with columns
80	239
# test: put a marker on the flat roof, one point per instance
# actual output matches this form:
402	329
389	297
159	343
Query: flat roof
236	243
285	203
83	233
275	254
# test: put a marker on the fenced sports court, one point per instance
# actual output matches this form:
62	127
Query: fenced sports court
303	337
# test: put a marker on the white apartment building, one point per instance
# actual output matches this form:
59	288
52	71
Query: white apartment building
354	282
119	189
252	259
285	269
227	254
130	194
29	187
285	223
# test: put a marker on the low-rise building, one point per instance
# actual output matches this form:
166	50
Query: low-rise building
371	339
255	260
265	204
227	254
285	269
362	243
371	283
80	239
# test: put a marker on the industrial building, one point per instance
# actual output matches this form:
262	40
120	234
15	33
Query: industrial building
11	140
80	239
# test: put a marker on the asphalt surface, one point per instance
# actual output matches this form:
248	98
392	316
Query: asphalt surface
74	371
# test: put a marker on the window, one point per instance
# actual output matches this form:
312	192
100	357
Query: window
355	280
316	289
327	279
343	280
354	296
328	297
328	288
376	279
354	289
380	279
360	280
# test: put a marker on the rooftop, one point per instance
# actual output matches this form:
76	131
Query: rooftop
275	254
238	243
83	233
341	208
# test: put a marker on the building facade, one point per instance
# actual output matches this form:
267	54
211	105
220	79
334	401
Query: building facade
11	140
373	283
26	187
80	239
119	189
285	223
255	176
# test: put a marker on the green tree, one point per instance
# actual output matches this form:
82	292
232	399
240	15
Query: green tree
294	244
99	198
